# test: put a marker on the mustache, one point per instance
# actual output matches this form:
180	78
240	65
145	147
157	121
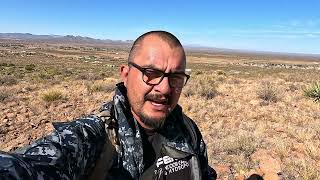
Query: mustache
158	98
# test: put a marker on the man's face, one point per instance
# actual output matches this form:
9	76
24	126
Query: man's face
151	104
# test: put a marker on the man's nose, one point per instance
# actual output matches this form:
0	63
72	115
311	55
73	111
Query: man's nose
163	87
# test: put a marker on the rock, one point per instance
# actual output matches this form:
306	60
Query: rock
24	110
270	176
25	89
222	169
240	177
12	104
254	102
21	117
299	147
4	120
269	165
11	115
5	111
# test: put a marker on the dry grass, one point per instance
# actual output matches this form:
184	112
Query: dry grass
267	93
101	86
239	109
52	95
237	122
4	94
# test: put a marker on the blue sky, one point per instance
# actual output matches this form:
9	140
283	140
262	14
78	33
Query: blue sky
270	25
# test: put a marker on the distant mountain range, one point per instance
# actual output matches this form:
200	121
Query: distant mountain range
59	38
87	40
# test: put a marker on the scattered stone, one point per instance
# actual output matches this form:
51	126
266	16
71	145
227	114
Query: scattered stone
254	102
21	117
268	164
11	115
12	104
222	169
299	147
240	177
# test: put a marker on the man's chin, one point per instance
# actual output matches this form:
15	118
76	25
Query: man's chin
154	121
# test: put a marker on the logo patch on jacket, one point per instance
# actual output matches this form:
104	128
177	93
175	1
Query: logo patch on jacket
171	168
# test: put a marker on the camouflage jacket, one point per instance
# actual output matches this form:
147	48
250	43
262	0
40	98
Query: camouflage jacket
104	146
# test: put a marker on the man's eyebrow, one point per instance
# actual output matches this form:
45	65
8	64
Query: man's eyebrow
150	66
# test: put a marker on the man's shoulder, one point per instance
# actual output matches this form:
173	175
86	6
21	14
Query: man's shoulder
194	132
187	121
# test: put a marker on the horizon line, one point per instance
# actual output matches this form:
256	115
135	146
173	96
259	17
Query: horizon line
187	45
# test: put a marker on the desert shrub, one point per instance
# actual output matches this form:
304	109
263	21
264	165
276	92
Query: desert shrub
198	72
53	71
301	169
202	85
7	65
220	72
44	76
220	78
52	95
3	64
90	76
207	91
313	92
8	69
8	80
30	67
205	79
188	91
3	95
267	93
293	87
100	87
242	144
67	72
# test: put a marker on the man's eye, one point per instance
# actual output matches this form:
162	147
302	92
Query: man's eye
153	74
177	77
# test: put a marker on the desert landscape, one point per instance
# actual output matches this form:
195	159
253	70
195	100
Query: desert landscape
259	113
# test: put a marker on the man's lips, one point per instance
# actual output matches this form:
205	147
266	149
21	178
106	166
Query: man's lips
158	102
160	106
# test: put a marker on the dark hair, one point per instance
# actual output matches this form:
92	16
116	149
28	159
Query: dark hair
167	37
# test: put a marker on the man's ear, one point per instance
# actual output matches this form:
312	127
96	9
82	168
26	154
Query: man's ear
124	72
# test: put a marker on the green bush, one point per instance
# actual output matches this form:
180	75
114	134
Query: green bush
221	72
53	71
313	92
30	67
100	87
52	95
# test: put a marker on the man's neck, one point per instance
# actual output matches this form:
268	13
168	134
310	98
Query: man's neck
141	123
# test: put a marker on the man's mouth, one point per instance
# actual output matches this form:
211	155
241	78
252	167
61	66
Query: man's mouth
157	99
159	106
158	102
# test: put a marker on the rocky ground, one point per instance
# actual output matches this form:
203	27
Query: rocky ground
255	120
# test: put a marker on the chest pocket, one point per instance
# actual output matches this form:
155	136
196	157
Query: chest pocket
170	164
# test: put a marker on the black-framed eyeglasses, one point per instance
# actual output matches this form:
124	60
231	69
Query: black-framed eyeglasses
154	77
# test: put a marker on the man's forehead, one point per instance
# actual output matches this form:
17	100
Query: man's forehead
156	55
153	45
152	50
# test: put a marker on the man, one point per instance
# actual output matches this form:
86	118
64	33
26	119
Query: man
141	134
